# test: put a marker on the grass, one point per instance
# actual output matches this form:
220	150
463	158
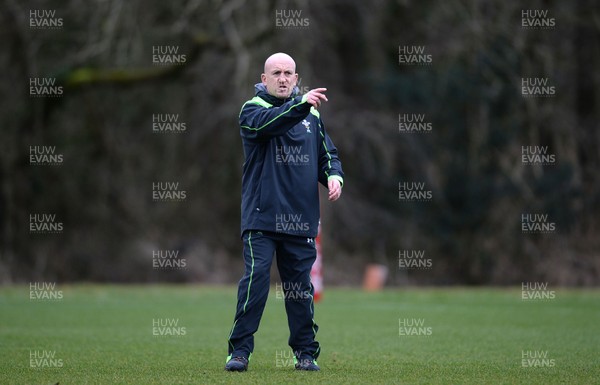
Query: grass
103	335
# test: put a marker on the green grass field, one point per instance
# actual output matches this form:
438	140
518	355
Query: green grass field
104	335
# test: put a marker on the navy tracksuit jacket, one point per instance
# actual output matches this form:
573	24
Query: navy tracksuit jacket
287	153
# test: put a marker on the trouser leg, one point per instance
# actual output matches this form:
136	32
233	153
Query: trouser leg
295	257
253	291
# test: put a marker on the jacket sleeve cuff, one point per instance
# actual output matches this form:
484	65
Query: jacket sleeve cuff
339	178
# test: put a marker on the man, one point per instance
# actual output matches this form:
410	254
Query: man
287	153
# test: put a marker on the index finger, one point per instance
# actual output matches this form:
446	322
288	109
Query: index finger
319	89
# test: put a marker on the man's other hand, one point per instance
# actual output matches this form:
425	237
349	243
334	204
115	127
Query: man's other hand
335	189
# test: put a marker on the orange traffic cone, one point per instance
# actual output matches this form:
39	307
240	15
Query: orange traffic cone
375	277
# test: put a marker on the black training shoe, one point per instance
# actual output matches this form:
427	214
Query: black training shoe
306	364
236	364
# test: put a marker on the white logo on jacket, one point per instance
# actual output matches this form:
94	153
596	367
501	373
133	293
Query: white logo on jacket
306	124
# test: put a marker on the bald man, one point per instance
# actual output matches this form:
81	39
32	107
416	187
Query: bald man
287	153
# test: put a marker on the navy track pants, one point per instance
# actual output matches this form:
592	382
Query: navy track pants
295	257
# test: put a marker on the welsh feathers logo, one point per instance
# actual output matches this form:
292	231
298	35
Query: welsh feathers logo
307	125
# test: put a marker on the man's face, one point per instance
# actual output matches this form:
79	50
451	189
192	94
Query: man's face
280	77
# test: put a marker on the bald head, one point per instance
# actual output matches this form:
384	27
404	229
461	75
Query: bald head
279	58
280	75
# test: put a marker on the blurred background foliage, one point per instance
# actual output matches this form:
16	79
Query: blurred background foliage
471	159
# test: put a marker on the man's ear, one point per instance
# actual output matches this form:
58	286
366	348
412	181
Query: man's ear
296	80
263	78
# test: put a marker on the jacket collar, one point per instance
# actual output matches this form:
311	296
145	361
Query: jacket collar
261	91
